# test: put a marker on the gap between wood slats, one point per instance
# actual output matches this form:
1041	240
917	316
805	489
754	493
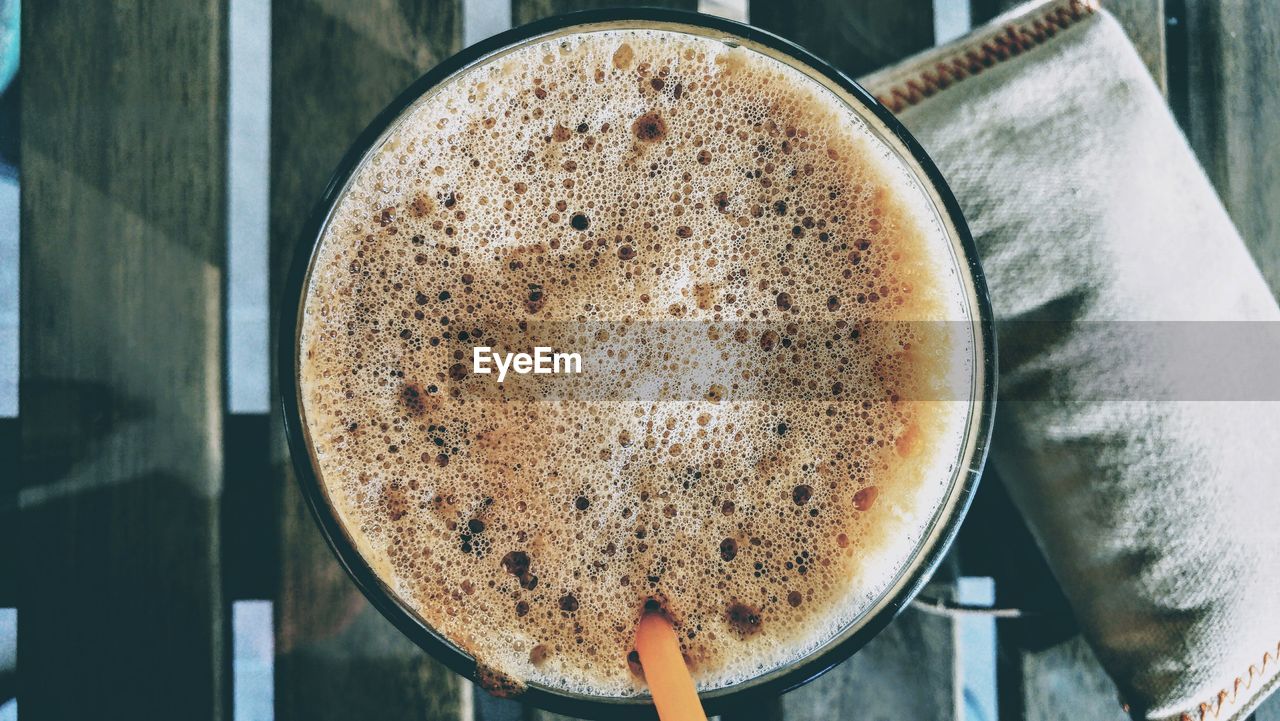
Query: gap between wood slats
248	158
9	209
250	510
9	454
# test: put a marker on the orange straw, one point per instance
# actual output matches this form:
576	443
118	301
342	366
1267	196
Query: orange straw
669	680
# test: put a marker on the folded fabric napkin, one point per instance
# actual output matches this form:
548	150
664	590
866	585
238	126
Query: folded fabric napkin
1157	514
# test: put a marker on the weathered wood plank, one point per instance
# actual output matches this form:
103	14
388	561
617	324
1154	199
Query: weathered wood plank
856	37
1232	115
489	708
122	222
533	714
1143	22
525	11
334	66
1066	682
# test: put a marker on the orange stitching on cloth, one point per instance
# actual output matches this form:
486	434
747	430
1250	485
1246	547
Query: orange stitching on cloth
1246	682
1013	40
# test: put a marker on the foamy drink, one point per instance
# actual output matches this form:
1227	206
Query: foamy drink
763	428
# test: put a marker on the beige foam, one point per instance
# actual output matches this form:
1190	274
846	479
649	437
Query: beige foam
609	179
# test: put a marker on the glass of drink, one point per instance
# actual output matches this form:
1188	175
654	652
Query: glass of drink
637	309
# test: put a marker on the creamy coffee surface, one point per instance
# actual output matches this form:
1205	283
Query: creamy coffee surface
767	417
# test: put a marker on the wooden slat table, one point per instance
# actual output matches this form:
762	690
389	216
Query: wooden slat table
119	593
131	551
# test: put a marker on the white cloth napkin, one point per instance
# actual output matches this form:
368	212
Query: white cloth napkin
1160	518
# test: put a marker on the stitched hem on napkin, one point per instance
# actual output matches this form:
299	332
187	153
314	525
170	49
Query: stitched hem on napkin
1225	698
1010	35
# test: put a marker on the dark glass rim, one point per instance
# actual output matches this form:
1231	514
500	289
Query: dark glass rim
937	538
